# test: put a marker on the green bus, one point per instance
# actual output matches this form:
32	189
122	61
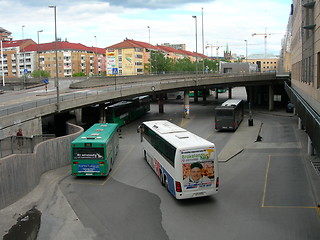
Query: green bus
93	153
128	110
201	93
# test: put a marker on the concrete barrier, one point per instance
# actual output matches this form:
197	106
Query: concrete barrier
20	173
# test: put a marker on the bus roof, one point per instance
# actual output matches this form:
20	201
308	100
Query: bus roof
99	132
177	136
231	102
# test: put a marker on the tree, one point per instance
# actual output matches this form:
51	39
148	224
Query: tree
40	73
79	74
160	63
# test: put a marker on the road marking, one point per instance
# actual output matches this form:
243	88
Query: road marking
265	190
120	163
265	182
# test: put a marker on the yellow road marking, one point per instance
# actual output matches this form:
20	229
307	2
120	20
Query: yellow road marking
265	190
116	169
265	182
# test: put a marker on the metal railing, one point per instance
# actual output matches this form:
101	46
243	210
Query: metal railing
21	145
86	92
310	118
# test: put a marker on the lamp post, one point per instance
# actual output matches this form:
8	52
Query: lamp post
3	83
39	53
24	64
202	43
96	58
150	50
56	50
246	50
195	17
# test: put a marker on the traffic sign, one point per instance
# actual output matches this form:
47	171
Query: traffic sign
114	71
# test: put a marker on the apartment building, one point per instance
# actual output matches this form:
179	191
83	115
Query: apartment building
22	57
132	57
16	61
5	35
305	60
265	65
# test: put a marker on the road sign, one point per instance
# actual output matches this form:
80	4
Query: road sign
25	71
45	81
114	71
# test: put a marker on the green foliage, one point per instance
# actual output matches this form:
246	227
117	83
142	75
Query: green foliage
79	74
41	73
160	63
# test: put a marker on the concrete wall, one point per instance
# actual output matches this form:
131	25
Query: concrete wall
20	173
29	128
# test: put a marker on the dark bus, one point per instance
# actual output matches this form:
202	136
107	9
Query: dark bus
229	115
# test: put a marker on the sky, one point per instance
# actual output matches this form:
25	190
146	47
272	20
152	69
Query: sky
102	23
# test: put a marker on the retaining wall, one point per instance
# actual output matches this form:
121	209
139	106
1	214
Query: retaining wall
20	173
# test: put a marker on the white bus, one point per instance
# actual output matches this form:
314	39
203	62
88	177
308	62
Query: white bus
185	163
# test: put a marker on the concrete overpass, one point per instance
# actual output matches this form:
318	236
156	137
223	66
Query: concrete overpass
114	88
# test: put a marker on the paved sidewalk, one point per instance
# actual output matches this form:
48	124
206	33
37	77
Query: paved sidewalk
241	138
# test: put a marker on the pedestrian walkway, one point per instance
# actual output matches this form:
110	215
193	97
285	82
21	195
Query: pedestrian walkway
241	138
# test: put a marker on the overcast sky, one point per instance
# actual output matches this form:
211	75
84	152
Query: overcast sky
103	23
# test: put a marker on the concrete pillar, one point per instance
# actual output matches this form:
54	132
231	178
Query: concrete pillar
161	108
229	92
78	115
204	95
299	124
310	147
271	102
102	117
186	102
195	95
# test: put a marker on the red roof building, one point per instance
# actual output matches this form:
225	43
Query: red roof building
132	57
72	58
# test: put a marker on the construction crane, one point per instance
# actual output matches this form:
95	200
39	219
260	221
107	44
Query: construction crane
265	40
212	46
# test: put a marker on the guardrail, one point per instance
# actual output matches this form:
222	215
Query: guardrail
19	145
309	118
126	83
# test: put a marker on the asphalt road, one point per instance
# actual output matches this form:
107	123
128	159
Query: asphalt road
265	192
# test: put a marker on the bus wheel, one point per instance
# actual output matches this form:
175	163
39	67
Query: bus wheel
111	165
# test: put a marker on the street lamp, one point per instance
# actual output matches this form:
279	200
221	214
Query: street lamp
195	17
24	63
202	43
246	50
39	54
149	50
56	50
3	84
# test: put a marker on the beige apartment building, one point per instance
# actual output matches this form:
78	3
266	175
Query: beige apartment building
131	57
265	65
305	59
72	58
